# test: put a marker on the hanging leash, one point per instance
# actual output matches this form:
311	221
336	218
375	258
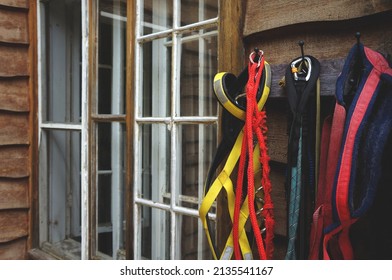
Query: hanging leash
303	93
227	90
255	125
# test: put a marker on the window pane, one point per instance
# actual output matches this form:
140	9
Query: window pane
198	10
155	163
111	73
191	249
156	79
197	147
110	188
60	165
61	94
155	234
198	67
157	16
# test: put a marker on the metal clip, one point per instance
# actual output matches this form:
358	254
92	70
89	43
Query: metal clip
296	64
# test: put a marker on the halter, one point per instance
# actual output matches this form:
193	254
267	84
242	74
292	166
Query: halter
364	128
227	89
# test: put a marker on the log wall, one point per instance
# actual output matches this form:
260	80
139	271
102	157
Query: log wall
16	122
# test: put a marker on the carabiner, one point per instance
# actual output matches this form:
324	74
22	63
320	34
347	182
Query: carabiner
296	73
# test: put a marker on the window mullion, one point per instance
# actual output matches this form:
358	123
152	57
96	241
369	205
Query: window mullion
137	140
85	209
174	183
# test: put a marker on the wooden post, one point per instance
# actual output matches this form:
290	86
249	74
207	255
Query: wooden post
230	59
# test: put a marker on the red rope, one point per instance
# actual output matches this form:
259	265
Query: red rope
255	123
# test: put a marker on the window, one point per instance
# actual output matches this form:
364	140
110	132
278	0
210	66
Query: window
84	121
82	145
176	125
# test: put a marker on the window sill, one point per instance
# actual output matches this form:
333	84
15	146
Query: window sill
38	254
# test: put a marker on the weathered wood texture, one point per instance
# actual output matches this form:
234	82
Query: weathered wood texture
323	40
14	94
15	61
14	161
13	224
13	27
14	250
15	128
230	58
14	193
262	15
15	3
277	138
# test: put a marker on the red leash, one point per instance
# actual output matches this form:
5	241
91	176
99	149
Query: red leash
255	124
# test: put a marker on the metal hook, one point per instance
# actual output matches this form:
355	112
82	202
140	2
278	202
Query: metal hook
301	44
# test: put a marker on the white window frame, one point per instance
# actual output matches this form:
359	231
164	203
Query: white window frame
83	127
172	122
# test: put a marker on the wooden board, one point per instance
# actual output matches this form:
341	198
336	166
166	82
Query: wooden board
14	161
14	94
15	3
14	128
14	225
277	138
14	61
323	40
262	15
278	195
13	26
14	193
14	250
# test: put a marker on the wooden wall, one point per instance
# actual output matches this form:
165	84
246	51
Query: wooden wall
16	87
328	28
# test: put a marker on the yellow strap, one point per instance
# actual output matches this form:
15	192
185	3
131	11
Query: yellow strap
318	132
223	180
230	106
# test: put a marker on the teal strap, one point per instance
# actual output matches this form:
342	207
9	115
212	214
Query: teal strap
295	199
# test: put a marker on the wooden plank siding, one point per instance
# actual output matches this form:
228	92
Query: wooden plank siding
16	54
328	29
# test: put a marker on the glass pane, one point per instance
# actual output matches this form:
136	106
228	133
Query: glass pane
198	68
155	234
110	188
62	94
191	249
193	11
111	64
197	146
155	162
156	79
60	161
157	16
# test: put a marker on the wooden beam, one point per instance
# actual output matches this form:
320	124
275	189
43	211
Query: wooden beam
230	45
130	116
262	15
230	59
323	40
15	3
